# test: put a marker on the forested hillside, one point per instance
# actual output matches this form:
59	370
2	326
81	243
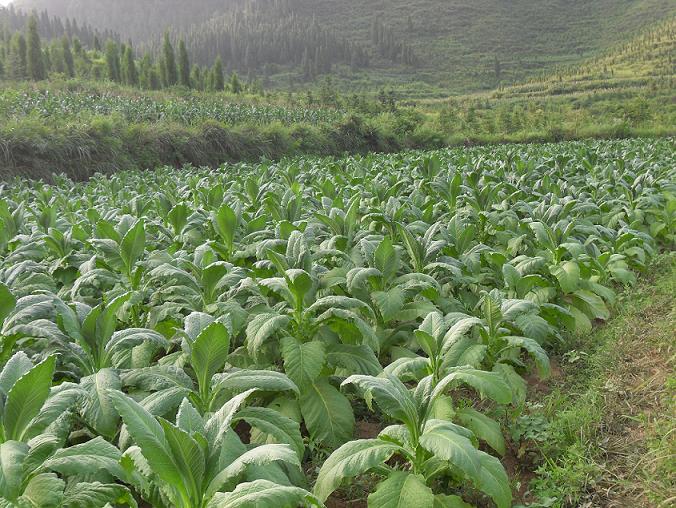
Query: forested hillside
424	45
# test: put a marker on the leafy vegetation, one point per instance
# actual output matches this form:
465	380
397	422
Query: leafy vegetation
202	338
55	104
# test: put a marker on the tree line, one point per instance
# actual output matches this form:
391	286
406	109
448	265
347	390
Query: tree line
256	39
51	27
267	37
26	55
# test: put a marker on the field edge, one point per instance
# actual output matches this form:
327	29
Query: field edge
610	432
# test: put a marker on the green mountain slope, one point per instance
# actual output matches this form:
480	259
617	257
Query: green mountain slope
459	40
457	45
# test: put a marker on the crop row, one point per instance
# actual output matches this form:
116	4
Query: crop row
202	338
189	110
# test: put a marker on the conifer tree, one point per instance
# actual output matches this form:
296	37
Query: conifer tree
170	73
130	72
16	68
218	83
145	65
113	61
34	56
235	84
183	65
197	78
68	57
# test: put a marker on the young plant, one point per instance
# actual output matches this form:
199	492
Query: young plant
199	461
429	450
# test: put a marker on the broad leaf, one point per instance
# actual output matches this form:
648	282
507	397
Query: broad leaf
209	353
352	459
402	490
262	494
327	413
26	398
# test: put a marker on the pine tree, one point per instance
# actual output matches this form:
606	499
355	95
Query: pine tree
17	58
218	83
77	46
145	66
34	56
113	61
235	85
170	73
197	78
183	65
68	57
129	70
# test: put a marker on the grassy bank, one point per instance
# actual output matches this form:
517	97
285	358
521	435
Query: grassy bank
605	434
81	128
34	149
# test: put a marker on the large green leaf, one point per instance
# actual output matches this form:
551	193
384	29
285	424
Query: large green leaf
386	259
26	398
188	457
238	381
44	490
189	419
225	224
389	302
591	304
96	494
391	395
352	459
493	480
303	362
443	440
87	458
457	331
12	457
15	367
483	427
262	494
488	384
260	455
402	490
327	413
7	303
97	406
209	353
262	327
133	244
219	422
535	350
149	436
568	275
280	428
443	501
355	359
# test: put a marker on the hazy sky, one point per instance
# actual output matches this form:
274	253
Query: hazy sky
5	2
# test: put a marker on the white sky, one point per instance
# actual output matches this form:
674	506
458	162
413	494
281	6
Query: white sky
5	2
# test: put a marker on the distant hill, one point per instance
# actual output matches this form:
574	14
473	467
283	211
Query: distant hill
640	66
419	46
